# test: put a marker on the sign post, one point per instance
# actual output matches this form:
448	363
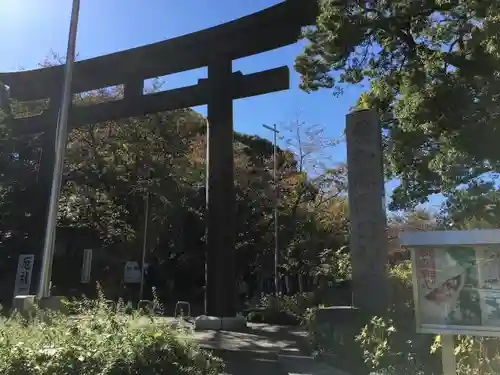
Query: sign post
86	266
456	285
23	275
448	355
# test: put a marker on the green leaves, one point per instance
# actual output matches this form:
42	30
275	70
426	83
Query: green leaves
432	69
473	206
111	166
99	342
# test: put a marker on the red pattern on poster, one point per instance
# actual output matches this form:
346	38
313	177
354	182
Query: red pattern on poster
427	267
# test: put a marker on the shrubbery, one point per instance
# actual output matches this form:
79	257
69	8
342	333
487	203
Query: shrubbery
391	345
100	342
282	309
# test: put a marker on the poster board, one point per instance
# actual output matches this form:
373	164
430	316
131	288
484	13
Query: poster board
456	281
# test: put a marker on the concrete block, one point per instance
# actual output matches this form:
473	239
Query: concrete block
25	305
334	329
236	323
54	303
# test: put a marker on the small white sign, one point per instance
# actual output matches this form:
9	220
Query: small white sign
86	266
23	274
132	273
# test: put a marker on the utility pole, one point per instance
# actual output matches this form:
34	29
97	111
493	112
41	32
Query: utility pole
60	148
276	227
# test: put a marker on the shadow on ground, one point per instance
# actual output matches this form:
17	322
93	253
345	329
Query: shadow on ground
257	338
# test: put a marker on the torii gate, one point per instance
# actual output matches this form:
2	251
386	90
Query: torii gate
215	48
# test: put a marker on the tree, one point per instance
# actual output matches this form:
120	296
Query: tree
419	219
309	145
111	166
474	206
312	197
432	67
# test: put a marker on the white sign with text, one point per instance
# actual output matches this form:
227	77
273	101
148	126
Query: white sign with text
23	274
86	266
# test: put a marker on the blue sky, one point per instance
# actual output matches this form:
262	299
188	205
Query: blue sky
30	29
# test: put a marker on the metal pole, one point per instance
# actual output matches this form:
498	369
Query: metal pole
61	137
207	173
276	224
448	355
144	243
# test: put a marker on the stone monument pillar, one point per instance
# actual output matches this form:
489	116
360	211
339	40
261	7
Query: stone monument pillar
368	222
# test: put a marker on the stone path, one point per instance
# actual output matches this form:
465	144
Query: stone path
307	366
254	351
256	338
251	363
264	349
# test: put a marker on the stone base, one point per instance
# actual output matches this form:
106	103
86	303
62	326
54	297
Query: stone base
236	323
24	305
54	303
339	325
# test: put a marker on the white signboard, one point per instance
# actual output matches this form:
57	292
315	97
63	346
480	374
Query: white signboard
86	266
132	272
23	274
456	281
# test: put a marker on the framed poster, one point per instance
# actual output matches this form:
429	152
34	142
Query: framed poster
456	281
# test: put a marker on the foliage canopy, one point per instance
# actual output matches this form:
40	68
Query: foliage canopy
432	68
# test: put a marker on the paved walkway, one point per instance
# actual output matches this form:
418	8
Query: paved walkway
251	363
256	338
307	366
264	349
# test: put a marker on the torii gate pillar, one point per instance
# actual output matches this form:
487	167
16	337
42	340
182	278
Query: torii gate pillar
220	198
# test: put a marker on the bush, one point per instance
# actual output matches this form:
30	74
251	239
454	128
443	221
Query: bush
282	309
101	342
390	344
390	350
320	334
386	345
332	335
475	355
